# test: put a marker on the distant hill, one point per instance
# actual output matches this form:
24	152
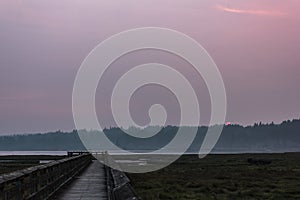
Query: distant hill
284	137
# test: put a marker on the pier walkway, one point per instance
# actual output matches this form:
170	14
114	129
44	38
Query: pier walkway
76	177
89	185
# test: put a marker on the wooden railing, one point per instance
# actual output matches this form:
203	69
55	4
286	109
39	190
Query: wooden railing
118	184
41	182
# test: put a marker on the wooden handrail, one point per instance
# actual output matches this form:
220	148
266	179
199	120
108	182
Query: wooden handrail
118	184
42	181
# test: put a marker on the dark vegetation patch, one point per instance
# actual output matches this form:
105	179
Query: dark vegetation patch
11	167
272	176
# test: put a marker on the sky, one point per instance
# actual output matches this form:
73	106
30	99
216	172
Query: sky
254	43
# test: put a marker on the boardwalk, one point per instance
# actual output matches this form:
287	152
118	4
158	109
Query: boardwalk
89	185
78	176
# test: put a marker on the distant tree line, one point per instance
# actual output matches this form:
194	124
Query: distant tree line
260	137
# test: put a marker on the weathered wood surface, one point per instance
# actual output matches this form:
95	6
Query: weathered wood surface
89	185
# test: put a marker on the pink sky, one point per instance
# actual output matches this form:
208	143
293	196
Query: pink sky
255	44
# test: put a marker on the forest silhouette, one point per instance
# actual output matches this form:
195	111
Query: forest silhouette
284	137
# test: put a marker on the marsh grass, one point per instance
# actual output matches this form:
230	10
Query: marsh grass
223	177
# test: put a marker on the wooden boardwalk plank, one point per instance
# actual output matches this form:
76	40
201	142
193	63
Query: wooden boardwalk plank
90	184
